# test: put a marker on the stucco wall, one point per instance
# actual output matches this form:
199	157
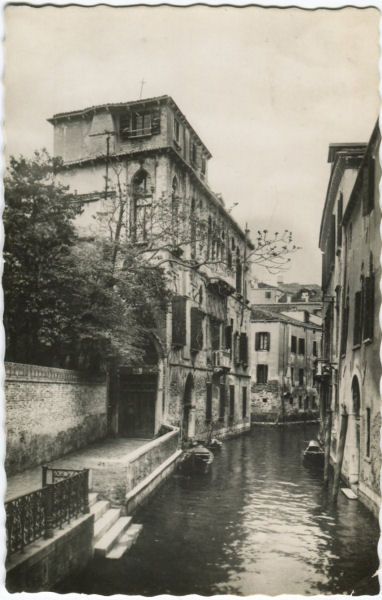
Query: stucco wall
50	412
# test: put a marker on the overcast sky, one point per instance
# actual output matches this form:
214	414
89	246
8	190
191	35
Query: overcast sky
266	89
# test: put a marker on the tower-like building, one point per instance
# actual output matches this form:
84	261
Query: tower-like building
147	155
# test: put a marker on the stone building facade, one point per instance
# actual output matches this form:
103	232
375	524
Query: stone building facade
284	356
198	376
350	370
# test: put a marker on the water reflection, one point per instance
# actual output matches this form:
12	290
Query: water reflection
259	523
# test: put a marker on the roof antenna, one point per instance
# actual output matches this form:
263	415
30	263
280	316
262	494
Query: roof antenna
142	84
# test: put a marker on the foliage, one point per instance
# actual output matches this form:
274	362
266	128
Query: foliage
66	304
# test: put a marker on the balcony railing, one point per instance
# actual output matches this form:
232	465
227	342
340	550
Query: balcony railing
35	515
221	359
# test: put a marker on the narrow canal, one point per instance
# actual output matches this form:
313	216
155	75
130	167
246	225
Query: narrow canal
260	522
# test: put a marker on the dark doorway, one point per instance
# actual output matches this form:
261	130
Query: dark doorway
137	405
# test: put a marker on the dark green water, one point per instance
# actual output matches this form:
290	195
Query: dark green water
260	522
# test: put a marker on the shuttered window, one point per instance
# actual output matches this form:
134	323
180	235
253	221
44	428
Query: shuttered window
368	187
228	337
301	346
314	348
262	340
345	326
209	402
293	344
262	373
231	401
221	401
244	399
339	220
357	319
196	329
179	304
243	350
301	377
215	334
369	308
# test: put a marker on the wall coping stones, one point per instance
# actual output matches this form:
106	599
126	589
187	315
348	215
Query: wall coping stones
39	374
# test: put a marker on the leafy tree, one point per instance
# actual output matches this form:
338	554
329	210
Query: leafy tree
65	302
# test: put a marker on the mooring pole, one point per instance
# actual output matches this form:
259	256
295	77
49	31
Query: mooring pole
328	441
340	454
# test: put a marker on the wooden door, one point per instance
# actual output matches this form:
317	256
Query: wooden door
137	405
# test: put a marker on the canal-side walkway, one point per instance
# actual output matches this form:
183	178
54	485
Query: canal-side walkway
104	455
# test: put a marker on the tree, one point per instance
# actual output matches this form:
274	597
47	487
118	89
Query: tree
65	303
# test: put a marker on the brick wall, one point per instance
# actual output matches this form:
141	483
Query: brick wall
50	412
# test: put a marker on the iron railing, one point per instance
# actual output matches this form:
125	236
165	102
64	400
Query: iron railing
36	514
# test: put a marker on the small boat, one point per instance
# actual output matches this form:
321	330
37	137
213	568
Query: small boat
314	454
197	460
215	444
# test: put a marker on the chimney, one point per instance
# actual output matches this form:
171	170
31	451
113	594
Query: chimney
280	280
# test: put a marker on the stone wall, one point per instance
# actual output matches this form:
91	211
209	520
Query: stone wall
50	412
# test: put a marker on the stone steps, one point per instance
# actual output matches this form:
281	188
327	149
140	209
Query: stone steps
125	542
111	537
113	534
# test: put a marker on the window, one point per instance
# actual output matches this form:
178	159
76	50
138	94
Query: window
179	304
229	258
243	349
193	229
339	219
175	210
268	295
196	329
293	344
369	308
262	373
203	166
314	348
368	432
244	402
301	377
292	375
214	334
300	402
193	153
262	341
357	331
228	337
209	402
306	401
265	400
239	272
176	130
345	326
301	346
221	401
141	206
231	401
291	400
141	124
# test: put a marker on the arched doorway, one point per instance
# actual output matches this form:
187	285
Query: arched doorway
355	431
188	417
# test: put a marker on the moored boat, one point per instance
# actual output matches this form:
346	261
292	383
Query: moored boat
314	454
197	460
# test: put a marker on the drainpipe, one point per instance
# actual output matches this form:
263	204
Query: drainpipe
340	454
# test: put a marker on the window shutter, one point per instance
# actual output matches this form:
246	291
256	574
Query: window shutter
179	304
257	341
222	401
155	121
243	348
345	326
268	341
196	329
228	337
357	318
369	307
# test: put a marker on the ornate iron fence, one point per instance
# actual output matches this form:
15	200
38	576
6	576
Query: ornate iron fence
36	514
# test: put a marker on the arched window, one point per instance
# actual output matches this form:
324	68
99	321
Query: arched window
356	396
141	205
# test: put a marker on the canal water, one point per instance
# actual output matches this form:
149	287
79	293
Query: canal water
259	523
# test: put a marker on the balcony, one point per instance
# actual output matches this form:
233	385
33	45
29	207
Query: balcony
221	360
322	368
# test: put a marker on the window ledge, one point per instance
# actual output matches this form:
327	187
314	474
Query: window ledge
367	341
367	459
356	346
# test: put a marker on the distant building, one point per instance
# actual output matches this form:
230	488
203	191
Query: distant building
285	350
197	370
350	369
